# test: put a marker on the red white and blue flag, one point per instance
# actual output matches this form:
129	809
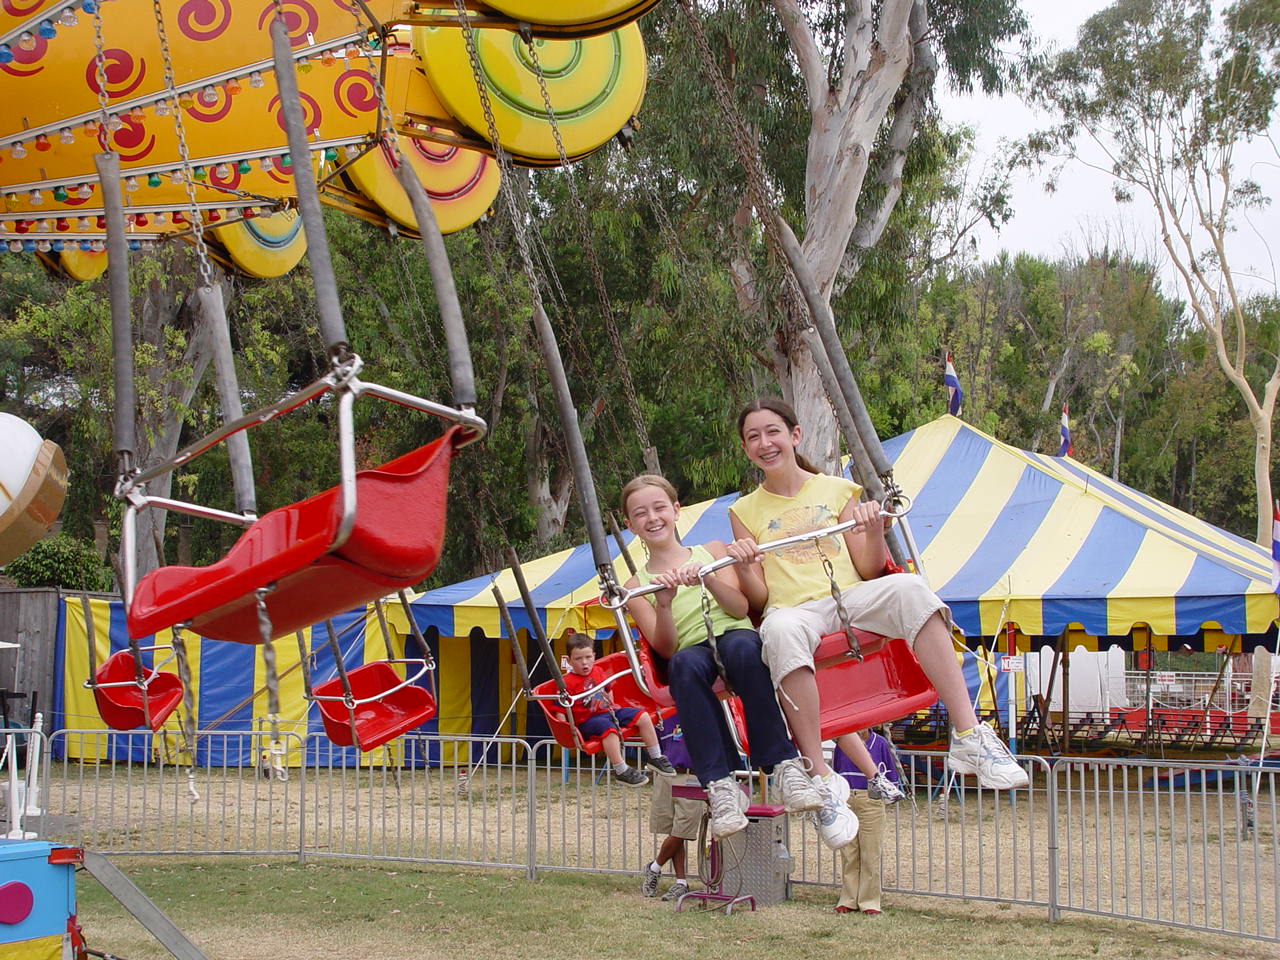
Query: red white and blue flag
1275	549
955	396
1064	448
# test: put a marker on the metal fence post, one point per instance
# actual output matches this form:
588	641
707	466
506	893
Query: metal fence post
1051	785
302	799
531	817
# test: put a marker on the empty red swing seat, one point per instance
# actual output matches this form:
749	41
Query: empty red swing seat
393	707
625	694
887	684
124	704
395	543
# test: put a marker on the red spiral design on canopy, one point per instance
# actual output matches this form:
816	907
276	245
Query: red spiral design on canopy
210	111
132	141
230	182
311	113
341	5
25	63
24	10
432	152
204	20
354	93
300	19
123	75
280	172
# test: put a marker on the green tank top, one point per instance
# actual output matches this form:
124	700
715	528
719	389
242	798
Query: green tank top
686	607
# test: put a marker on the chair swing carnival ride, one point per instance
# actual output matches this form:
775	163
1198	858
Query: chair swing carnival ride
233	144
184	134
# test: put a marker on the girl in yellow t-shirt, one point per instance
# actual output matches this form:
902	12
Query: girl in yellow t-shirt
791	591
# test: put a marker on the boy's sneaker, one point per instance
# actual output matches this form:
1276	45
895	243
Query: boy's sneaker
631	777
728	807
676	890
985	754
661	765
799	795
649	886
836	823
880	787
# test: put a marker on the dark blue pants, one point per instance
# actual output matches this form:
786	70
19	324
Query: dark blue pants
692	675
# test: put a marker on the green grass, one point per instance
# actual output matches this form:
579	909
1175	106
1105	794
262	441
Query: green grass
236	909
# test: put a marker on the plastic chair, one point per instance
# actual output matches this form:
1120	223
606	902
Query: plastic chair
383	706
123	704
395	543
886	684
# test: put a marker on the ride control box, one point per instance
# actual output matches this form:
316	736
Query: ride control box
754	863
757	861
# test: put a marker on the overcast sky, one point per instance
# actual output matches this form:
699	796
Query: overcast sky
1052	224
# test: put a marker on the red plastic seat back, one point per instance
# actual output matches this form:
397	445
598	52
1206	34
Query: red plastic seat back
379	721
121	708
396	541
887	684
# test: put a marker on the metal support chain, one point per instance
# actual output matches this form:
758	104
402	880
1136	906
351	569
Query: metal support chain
855	647
348	698
584	482
188	709
704	600
650	453
273	682
197	221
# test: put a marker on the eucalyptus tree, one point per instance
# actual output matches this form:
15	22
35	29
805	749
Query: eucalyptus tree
1167	92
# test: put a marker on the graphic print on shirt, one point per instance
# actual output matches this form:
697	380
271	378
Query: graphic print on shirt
802	519
599	701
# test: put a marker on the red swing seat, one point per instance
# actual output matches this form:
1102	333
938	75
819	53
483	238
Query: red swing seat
123	704
395	543
383	717
654	670
624	691
887	684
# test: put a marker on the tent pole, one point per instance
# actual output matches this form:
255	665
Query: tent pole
1065	739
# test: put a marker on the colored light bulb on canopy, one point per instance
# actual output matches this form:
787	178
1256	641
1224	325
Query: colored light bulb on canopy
46	30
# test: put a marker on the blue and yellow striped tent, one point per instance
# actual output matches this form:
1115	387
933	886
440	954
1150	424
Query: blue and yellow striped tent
1042	542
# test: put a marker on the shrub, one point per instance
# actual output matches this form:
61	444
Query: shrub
60	561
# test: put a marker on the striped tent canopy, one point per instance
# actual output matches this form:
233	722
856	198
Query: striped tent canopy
1046	542
1006	536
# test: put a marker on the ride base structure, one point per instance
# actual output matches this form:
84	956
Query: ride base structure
38	903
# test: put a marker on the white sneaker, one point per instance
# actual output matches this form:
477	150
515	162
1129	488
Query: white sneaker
837	824
880	787
728	807
986	755
799	795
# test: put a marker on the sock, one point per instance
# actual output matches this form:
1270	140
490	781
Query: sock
965	733
655	867
654	752
621	767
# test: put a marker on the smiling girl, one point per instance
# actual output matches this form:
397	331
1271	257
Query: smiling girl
790	589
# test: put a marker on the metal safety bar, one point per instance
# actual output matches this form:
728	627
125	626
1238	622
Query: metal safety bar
92	684
780	544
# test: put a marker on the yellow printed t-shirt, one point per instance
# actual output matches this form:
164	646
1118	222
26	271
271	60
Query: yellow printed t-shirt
795	574
686	607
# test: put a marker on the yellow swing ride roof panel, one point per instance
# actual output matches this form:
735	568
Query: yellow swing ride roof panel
264	246
572	12
595	86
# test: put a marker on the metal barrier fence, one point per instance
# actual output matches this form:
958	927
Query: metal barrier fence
1191	846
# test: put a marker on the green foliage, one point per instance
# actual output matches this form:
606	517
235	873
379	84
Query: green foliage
60	561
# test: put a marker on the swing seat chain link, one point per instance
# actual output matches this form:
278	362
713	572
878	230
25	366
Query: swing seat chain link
855	647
